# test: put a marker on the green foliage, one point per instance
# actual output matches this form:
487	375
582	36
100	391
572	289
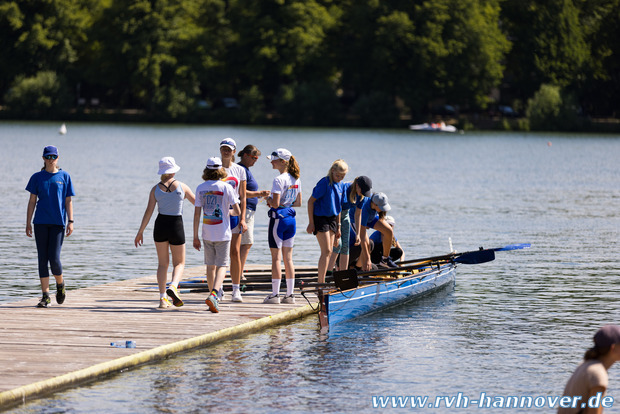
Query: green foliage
41	95
309	104
312	62
552	110
252	105
376	110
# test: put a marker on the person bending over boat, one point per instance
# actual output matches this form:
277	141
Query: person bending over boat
396	250
353	192
369	219
324	210
51	192
237	178
217	201
249	155
285	194
168	233
591	378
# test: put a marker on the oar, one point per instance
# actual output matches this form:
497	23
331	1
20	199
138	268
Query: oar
471	257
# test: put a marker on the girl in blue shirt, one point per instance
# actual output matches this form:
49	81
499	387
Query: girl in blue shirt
324	208
373	212
50	194
352	194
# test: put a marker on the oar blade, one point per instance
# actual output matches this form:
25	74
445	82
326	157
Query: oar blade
514	247
476	257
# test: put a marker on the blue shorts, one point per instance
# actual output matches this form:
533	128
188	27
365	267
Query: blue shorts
234	223
282	227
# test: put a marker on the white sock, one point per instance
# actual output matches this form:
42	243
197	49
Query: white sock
235	287
162	295
175	284
275	286
290	285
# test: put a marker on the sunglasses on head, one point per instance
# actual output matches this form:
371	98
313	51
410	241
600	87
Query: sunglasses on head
50	157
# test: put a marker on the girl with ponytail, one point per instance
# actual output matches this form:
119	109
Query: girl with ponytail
285	194
590	379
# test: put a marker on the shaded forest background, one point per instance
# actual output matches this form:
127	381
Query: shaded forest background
522	64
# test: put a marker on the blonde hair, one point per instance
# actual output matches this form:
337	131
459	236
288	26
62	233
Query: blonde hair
292	167
337	166
165	177
214	175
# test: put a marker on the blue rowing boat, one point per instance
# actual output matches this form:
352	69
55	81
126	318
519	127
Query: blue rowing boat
341	305
354	294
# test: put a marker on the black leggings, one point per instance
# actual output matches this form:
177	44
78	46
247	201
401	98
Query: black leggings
49	238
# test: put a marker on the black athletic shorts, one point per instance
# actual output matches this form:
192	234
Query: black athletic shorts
323	224
169	229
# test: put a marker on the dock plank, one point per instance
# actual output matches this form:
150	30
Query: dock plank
38	344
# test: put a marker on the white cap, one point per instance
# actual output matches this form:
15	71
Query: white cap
167	166
381	200
229	142
390	220
214	163
280	154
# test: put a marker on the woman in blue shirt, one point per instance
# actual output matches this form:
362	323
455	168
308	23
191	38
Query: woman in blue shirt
324	208
50	201
249	155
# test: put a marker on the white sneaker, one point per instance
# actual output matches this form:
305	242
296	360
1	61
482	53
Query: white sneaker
236	296
272	299
288	299
220	295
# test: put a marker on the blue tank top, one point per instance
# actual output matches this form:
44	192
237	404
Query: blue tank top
170	203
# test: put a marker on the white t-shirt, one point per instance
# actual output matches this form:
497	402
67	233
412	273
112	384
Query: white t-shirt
288	188
236	174
216	198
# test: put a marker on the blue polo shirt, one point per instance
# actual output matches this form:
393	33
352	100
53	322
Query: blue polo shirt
328	198
51	191
250	185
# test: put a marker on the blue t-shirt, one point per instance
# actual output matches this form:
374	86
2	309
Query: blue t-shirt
376	237
369	216
51	191
250	185
346	189
328	198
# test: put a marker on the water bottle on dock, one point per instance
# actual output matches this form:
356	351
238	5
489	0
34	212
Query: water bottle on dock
123	344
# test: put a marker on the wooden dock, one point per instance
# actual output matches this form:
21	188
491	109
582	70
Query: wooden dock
47	350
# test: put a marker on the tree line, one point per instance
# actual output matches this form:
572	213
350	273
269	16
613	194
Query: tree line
310	62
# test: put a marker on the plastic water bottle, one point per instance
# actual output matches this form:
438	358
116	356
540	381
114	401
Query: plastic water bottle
123	344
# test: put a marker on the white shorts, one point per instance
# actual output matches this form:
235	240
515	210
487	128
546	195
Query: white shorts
248	236
217	253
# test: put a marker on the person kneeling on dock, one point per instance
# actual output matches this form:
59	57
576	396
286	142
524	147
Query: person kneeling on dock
218	201
377	203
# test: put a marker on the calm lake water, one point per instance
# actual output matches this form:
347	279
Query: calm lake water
516	326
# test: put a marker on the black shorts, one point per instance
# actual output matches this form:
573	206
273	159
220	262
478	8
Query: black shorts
169	229
323	224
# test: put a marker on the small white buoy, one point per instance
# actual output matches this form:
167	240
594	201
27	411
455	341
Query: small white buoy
62	130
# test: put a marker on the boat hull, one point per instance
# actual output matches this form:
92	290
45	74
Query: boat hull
340	306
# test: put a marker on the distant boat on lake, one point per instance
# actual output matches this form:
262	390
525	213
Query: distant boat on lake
63	129
433	127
